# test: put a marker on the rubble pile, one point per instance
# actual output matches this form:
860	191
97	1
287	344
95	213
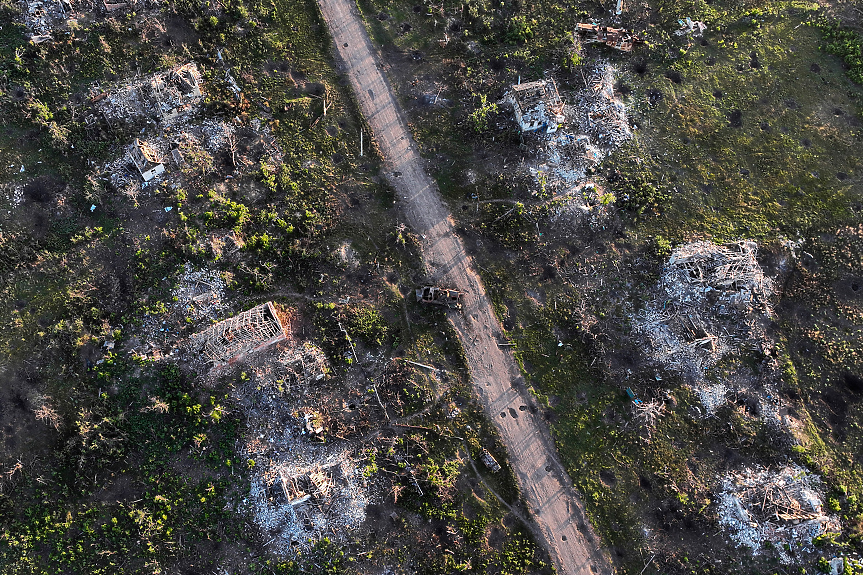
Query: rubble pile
42	17
313	491
166	96
199	294
217	134
599	113
302	489
710	300
781	508
596	124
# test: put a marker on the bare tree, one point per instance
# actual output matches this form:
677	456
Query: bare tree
49	415
648	414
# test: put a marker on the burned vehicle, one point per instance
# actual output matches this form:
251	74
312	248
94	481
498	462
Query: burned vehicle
439	296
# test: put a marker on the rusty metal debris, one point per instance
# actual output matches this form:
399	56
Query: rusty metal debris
438	296
228	340
616	38
536	105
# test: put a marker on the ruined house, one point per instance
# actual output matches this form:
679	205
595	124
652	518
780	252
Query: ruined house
616	38
537	105
146	160
163	96
176	91
227	341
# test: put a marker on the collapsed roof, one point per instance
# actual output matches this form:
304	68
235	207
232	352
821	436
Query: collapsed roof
537	105
228	340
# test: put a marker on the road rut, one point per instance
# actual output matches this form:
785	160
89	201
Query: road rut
560	520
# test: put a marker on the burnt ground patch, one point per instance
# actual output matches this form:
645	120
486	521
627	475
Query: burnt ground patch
853	382
735	119
674	76
43	189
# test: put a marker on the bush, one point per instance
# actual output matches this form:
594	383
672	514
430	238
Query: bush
846	44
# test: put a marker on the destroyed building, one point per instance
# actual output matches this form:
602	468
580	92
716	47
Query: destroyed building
616	38
228	340
163	97
537	105
146	160
42	17
762	508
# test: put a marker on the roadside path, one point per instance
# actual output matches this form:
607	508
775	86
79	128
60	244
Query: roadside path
547	489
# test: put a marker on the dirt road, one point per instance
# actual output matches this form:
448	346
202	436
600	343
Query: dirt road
546	487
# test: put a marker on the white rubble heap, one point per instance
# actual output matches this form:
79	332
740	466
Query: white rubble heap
596	123
168	96
199	294
301	489
782	507
710	300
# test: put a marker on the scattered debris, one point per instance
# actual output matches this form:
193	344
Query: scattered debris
596	124
617	38
438	296
782	508
691	27
167	95
536	105
313	492
248	331
303	489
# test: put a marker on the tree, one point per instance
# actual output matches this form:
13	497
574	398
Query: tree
479	117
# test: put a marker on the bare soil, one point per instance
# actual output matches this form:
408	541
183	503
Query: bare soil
561	522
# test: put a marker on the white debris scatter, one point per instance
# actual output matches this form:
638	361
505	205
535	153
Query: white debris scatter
12	193
301	488
217	134
313	491
782	507
710	300
712	396
596	124
199	294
